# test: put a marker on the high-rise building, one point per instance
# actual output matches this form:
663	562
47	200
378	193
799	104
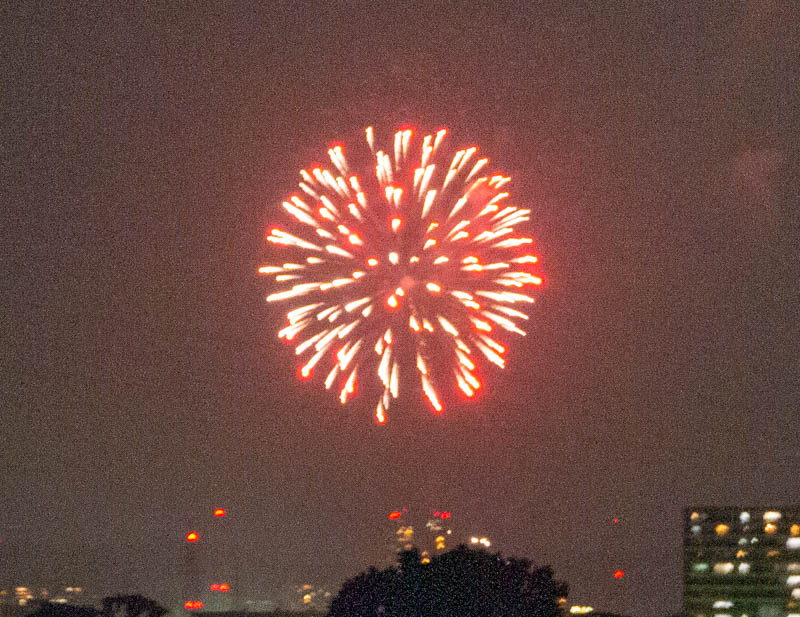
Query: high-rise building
208	573
429	538
742	562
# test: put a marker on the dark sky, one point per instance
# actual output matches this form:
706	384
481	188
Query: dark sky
145	151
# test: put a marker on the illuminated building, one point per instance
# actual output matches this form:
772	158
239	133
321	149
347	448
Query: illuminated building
742	562
432	538
21	601
310	597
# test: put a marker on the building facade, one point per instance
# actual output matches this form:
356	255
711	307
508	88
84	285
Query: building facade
742	562
431	537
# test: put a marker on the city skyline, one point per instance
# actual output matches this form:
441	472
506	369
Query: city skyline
146	151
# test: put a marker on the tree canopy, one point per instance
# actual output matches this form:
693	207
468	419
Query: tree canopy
461	583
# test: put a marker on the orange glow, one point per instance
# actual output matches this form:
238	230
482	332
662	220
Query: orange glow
193	605
721	529
394	515
618	574
794	530
219	512
214	587
224	587
770	528
192	536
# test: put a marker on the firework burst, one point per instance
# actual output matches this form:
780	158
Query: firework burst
413	269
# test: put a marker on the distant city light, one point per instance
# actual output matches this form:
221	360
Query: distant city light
618	574
483	541
580	610
744	517
744	568
224	587
193	605
723	568
394	515
192	536
219	512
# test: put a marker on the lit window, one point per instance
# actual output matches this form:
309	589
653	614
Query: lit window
772	516
793	580
742	540
770	528
741	553
744	517
721	529
794	530
744	568
723	568
793	543
793	567
796	593
696	528
723	604
700	567
753	540
694	516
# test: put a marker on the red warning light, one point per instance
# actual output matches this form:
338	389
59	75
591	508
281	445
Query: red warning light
436	513
192	536
224	587
394	515
618	574
214	587
615	520
445	515
219	512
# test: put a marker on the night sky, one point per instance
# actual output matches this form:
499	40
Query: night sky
145	151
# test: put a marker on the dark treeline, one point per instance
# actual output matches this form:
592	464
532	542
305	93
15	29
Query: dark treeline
460	583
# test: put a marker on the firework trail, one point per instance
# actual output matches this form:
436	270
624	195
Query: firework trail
411	269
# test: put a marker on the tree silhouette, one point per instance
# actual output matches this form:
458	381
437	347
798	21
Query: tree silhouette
131	606
51	609
460	583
